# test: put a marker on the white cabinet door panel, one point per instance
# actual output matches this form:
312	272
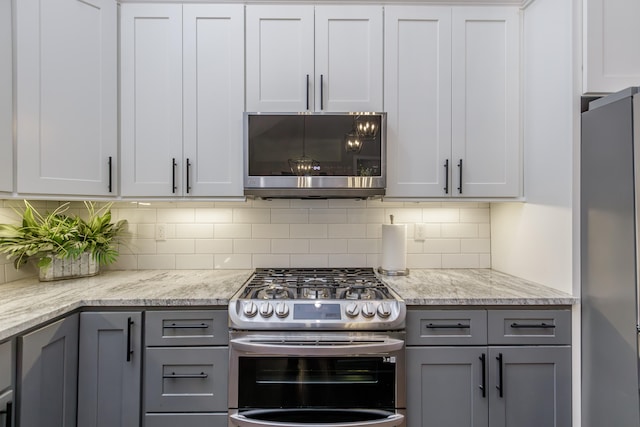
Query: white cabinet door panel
485	97
66	74
213	98
348	49
6	98
151	99
280	58
417	97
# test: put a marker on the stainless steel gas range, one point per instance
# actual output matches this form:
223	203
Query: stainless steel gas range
312	347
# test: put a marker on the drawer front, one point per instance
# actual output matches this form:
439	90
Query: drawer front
186	327
186	420
186	379
6	409
446	327
6	366
539	327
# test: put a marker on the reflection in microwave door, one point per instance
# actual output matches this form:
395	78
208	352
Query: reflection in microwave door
366	165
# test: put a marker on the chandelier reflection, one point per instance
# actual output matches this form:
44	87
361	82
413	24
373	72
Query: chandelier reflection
304	166
366	128
352	142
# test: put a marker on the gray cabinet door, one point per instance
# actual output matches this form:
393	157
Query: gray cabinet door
48	375
530	386
6	409
110	368
444	387
6	366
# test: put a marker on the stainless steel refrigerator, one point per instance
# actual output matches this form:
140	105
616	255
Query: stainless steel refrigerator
610	202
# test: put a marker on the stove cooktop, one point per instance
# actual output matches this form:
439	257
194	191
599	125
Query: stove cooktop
324	298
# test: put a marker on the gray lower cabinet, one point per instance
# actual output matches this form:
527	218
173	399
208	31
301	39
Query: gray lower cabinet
186	368
6	384
47	375
110	356
460	373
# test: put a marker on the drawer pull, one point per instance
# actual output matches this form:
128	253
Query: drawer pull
532	325
483	386
448	326
187	326
7	414
173	375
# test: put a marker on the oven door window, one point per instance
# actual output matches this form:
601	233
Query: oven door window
316	382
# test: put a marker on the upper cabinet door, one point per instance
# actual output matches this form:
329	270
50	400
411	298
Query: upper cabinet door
417	98
348	51
611	59
6	98
280	58
151	99
486	102
213	99
66	73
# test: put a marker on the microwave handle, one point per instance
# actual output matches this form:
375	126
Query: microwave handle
315	348
390	421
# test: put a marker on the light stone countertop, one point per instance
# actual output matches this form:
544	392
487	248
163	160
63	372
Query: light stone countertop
27	303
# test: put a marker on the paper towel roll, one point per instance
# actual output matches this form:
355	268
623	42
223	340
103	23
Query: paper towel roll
394	248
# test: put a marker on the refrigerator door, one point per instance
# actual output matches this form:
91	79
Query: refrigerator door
608	266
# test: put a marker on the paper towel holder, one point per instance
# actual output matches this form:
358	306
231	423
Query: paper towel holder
384	272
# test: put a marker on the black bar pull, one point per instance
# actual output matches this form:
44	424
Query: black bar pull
448	326
129	349
541	325
321	92
460	176
187	326
483	386
7	414
173	375
500	386
110	174
188	173
307	91
174	188
446	176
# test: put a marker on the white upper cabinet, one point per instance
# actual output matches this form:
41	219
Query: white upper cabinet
417	91
306	58
182	100
611	33
6	98
66	88
452	99
485	136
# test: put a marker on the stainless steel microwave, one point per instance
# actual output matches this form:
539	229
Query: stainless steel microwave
314	155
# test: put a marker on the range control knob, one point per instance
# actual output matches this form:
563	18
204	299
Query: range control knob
266	309
368	310
250	309
352	309
384	310
282	310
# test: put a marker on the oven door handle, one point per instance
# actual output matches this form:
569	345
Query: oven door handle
390	421
314	347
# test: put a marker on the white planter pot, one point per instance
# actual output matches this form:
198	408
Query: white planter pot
83	266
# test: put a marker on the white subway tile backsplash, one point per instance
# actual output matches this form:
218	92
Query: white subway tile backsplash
283	233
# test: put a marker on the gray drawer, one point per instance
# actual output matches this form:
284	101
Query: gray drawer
186	420
6	366
186	327
539	327
186	379
446	327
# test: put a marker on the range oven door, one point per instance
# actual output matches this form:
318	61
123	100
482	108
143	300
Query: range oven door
316	380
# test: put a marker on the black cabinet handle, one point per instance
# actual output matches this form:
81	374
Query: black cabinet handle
174	188
307	91
460	176
483	386
446	176
187	326
541	325
500	386
129	349
188	173
448	326
7	414
110	174
174	376
321	92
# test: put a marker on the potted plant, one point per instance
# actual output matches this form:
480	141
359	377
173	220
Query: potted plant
63	245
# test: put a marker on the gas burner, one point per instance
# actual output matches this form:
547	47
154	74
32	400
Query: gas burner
358	292
315	292
274	291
